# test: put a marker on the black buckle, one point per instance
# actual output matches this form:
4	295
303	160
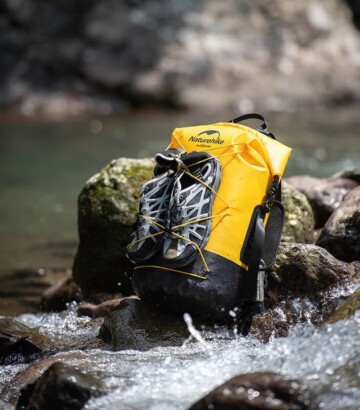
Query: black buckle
271	194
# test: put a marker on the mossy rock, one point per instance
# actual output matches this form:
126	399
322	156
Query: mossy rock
107	208
299	216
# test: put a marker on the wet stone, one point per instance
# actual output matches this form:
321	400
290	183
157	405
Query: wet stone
136	325
60	387
324	195
262	390
341	233
305	269
19	342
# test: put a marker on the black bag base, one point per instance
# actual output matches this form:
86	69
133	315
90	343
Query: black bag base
213	299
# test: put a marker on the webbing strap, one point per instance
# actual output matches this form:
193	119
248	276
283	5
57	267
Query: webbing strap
254	243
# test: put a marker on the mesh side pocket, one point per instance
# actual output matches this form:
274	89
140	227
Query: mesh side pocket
273	231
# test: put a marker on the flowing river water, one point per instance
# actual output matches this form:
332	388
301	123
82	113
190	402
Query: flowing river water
43	167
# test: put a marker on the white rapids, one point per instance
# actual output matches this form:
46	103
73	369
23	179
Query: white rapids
173	378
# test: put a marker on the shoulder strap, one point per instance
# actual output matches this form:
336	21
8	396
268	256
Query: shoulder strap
261	243
252	252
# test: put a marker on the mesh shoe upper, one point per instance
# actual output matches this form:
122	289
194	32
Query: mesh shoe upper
188	225
153	208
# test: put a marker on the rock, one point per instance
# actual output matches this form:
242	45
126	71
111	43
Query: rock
302	288
103	309
57	296
136	325
324	195
18	342
305	270
299	218
262	390
60	387
107	209
341	233
10	393
346	309
352	173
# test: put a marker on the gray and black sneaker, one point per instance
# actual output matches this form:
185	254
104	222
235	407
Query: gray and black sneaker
190	208
153	207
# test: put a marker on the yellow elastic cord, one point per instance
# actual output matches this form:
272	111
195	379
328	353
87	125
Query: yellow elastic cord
152	221
196	246
170	269
181	145
143	239
149	236
206	185
199	220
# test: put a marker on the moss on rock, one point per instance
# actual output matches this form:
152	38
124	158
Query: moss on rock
107	208
299	216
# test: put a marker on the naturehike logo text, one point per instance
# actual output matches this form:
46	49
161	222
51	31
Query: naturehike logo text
212	137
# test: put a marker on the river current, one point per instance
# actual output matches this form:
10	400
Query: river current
327	359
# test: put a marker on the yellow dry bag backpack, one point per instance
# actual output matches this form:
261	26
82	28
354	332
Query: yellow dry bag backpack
210	219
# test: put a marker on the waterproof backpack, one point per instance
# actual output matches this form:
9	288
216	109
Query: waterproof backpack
210	219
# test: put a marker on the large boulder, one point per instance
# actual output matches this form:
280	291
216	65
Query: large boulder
324	194
299	218
341	233
305	270
107	208
261	391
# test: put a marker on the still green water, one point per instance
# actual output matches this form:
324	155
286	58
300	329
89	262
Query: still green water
43	167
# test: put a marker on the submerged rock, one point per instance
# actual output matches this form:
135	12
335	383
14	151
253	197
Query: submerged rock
324	194
107	208
299	218
262	390
341	233
60	387
18	342
135	325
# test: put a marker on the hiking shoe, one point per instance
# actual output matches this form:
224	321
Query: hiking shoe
191	200
153	208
